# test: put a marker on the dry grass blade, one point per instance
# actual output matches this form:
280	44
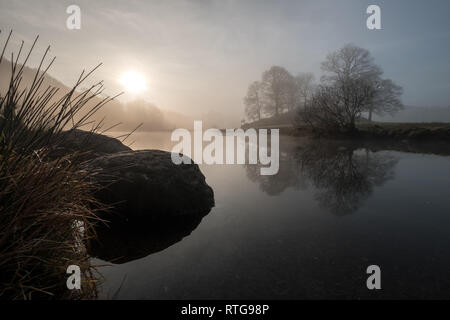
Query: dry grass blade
43	200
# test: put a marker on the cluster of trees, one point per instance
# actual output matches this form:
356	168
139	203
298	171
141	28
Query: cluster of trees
351	84
277	92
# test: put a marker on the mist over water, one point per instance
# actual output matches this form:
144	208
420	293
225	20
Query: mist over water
310	231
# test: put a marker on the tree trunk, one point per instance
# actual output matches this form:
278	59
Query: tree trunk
351	127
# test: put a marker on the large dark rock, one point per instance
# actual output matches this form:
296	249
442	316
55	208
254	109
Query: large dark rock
91	145
146	184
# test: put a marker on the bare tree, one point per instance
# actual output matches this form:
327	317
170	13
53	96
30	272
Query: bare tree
277	83
386	100
349	63
331	110
254	101
291	96
351	85
304	83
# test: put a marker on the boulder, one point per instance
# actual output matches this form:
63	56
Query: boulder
146	184
91	144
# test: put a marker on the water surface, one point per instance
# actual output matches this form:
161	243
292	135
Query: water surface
310	231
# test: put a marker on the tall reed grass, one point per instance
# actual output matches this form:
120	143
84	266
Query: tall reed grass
44	199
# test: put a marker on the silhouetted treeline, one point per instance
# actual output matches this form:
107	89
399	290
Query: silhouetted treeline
351	85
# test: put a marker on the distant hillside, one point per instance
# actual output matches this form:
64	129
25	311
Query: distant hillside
129	114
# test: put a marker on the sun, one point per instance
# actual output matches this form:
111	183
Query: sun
133	82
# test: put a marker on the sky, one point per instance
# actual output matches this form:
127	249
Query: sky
198	56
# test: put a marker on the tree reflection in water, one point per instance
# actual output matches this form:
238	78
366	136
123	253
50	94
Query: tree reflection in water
343	173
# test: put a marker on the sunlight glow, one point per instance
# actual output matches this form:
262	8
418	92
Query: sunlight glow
133	82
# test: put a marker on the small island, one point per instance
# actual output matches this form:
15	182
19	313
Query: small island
351	90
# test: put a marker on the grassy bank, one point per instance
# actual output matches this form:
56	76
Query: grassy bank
368	130
413	131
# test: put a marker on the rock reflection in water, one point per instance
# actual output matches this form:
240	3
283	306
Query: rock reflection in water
344	174
120	242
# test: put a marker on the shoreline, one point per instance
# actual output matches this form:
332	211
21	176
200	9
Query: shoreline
392	131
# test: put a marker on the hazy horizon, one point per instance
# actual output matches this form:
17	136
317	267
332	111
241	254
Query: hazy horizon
198	57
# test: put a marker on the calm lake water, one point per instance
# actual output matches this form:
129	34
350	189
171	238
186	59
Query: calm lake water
333	209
